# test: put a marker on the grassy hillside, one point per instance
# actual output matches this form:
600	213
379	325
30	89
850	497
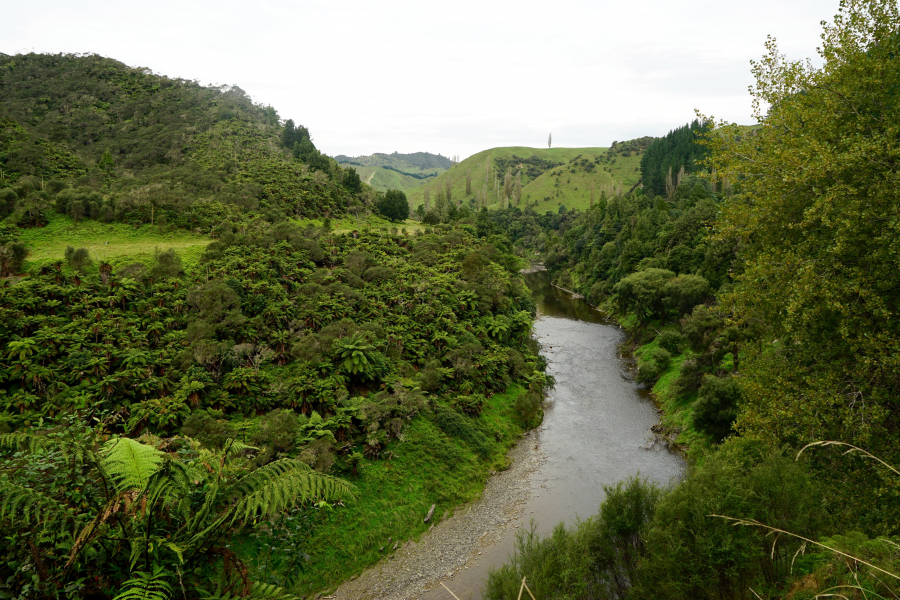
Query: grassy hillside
396	171
550	176
383	179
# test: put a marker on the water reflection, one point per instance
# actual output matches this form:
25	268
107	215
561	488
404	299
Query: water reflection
554	302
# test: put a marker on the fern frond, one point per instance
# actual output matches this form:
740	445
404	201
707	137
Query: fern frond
259	591
281	485
29	506
235	448
130	463
144	586
20	440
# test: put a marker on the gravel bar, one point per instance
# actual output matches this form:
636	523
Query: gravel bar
453	544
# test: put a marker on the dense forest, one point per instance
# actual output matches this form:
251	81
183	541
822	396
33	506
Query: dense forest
759	289
128	145
189	402
262	419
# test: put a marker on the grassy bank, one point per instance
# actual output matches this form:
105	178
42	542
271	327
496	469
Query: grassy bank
425	466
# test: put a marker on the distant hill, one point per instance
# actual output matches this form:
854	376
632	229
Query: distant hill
417	160
397	171
551	177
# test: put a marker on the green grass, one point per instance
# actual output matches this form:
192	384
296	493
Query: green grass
384	179
116	243
428	467
573	189
677	410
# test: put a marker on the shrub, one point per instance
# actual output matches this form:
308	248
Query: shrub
394	206
692	555
278	430
454	424
717	406
470	405
651	367
208	428
528	409
596	558
79	260
671	341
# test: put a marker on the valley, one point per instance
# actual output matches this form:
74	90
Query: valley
233	366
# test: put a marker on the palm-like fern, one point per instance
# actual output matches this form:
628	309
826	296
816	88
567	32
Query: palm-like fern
130	463
147	586
151	513
258	591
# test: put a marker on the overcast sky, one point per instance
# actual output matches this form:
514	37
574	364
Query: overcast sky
449	77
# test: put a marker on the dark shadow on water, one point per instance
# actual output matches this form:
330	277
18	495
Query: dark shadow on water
554	302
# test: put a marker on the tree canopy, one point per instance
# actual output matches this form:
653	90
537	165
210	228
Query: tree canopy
394	205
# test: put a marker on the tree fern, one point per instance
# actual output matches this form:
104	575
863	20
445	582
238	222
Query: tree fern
283	484
21	440
259	591
130	463
28	506
144	586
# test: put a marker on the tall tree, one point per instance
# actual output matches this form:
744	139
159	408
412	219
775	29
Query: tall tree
816	218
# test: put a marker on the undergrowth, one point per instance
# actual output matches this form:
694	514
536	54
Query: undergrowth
425	466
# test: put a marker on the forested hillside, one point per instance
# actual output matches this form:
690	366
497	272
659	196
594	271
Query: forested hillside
128	145
758	285
213	411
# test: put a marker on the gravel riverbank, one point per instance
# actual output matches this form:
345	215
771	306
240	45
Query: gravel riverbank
453	544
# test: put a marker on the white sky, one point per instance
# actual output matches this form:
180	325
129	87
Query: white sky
452	77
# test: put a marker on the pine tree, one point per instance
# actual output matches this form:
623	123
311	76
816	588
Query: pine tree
550	140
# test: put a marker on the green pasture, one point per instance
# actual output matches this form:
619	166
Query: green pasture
116	243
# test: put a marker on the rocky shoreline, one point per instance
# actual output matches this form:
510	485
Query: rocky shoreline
453	544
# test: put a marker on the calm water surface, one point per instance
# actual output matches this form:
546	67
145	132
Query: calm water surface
596	428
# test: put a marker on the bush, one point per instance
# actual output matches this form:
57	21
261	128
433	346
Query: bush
671	341
597	558
528	409
208	428
432	217
717	406
454	424
79	260
692	555
653	366
278	430
12	258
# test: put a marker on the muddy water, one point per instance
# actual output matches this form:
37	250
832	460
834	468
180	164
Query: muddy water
596	428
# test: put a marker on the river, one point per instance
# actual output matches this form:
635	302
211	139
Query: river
596	428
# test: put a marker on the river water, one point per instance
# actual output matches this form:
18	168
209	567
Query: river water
596	428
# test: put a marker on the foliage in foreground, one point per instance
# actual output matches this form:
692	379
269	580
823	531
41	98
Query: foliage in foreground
133	516
650	543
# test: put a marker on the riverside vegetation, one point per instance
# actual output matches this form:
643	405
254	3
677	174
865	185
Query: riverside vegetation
266	417
756	273
259	416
